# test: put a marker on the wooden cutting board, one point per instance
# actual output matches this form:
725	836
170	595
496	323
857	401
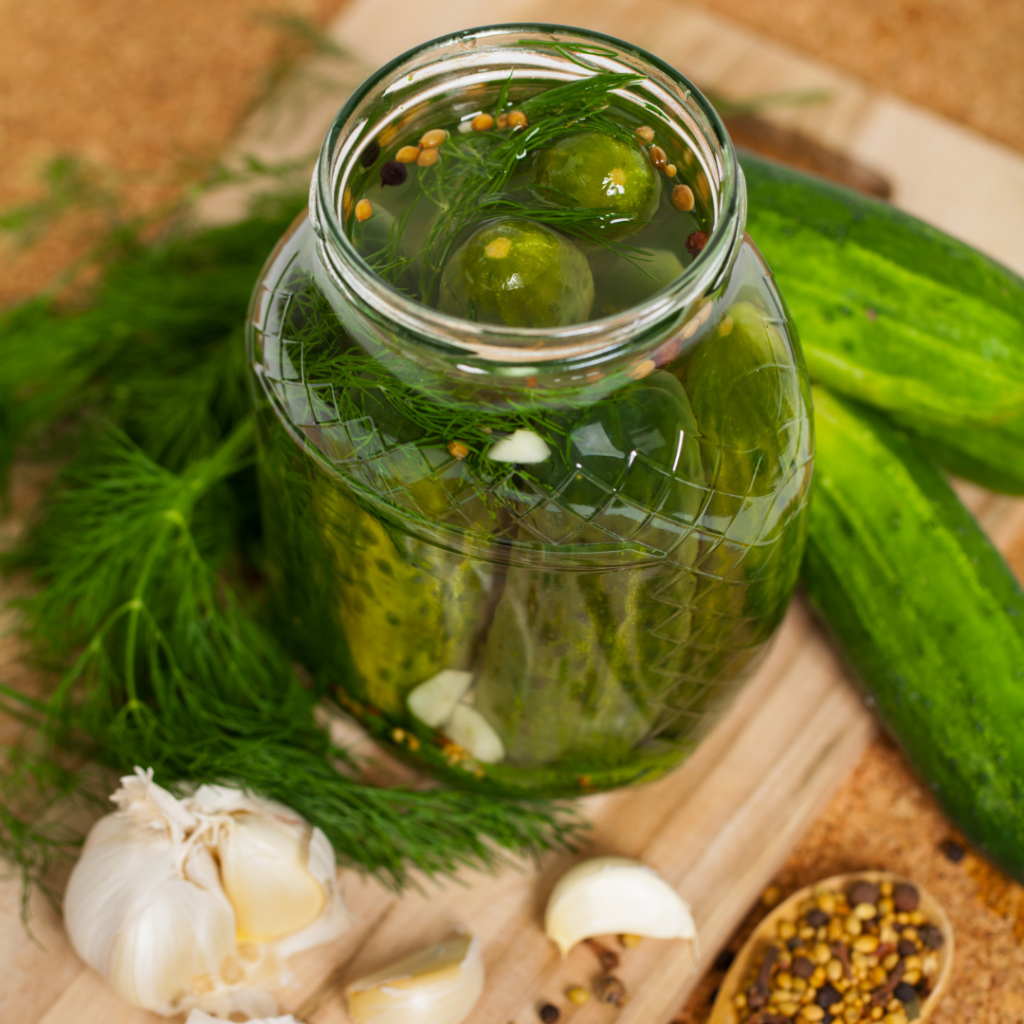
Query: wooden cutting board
720	826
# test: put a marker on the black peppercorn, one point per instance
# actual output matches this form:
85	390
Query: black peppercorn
549	1014
827	996
905	898
864	892
695	242
953	851
904	992
802	967
724	960
393	173
906	947
368	157
611	990
931	936
817	918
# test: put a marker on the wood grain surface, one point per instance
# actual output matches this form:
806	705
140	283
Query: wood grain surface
720	826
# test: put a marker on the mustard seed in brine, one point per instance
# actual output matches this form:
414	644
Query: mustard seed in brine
434	138
407	154
682	198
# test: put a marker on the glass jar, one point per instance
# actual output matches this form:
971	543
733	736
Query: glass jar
531	619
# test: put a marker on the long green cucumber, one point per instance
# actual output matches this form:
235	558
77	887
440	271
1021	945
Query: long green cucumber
891	311
991	456
929	616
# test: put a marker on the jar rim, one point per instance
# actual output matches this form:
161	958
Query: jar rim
498	343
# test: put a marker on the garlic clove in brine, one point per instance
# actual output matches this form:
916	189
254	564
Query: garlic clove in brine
434	701
471	731
522	446
438	985
615	896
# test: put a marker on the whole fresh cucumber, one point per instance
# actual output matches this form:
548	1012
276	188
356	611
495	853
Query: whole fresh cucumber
991	456
891	311
927	613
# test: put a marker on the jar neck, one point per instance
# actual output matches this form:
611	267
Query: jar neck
537	56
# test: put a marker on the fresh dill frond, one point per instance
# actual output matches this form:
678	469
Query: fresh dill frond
480	165
166	669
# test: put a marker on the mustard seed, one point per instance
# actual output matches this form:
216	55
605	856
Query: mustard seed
516	120
577	995
482	123
670	170
364	210
407	154
457	450
646	133
682	198
434	138
428	157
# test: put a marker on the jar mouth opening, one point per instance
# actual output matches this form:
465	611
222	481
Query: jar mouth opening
481	56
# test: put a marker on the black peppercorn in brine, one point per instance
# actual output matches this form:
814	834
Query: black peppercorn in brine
865	954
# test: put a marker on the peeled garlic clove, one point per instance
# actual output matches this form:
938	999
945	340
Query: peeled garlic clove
523	446
439	985
434	701
615	896
471	731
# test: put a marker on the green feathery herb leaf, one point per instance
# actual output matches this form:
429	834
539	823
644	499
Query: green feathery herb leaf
172	673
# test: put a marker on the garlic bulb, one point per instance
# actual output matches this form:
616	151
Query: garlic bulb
439	985
195	902
615	896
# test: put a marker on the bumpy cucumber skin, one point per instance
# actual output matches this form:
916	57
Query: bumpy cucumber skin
892	312
929	616
992	457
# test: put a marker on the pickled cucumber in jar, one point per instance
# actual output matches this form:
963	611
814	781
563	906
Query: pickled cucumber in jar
518	273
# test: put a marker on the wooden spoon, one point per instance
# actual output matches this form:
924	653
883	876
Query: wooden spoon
724	1012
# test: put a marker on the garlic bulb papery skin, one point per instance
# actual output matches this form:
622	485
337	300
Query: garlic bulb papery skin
438	985
615	896
147	905
200	1017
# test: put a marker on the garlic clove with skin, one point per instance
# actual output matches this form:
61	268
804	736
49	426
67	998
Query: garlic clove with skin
438	985
263	865
615	896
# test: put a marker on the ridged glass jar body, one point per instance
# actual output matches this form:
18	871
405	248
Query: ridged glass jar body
550	627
